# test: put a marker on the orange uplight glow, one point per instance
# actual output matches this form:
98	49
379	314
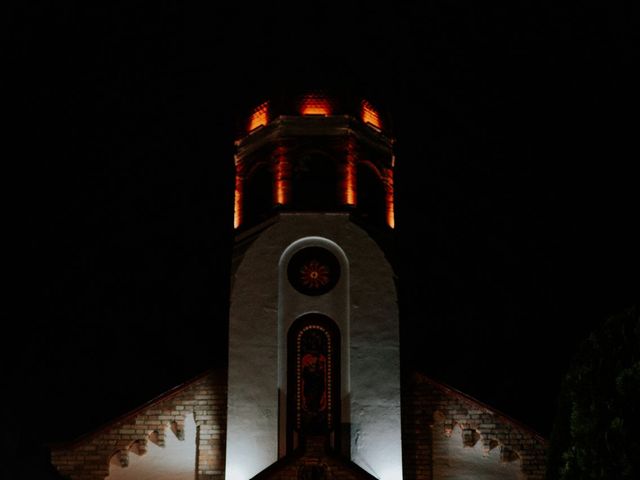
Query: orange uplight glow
282	177
349	177
237	204
350	184
315	105
391	220
370	115
259	117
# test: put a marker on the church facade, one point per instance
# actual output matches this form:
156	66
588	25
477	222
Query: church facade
314	387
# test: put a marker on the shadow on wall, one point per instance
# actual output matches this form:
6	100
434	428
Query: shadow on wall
459	453
151	460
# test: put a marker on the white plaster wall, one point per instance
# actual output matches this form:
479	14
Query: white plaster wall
453	461
375	361
175	461
363	304
252	410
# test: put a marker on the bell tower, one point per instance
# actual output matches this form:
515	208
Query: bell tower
314	352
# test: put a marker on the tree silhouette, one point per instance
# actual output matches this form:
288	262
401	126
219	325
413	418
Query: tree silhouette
596	434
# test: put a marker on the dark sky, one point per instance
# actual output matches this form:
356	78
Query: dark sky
516	195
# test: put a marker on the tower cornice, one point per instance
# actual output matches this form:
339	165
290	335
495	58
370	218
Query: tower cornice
285	127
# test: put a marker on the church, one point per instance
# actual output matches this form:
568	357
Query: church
314	387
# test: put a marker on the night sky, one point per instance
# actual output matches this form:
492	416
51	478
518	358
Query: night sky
516	197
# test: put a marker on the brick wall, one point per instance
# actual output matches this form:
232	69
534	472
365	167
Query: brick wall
430	408
205	397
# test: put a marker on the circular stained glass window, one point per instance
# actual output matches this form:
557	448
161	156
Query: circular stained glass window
313	271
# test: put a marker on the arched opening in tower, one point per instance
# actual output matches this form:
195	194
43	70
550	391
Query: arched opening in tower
371	194
313	379
315	182
258	194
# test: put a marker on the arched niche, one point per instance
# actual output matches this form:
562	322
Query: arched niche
258	193
313	378
315	181
293	305
371	194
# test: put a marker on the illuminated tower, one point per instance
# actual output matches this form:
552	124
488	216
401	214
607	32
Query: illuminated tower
312	389
313	330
